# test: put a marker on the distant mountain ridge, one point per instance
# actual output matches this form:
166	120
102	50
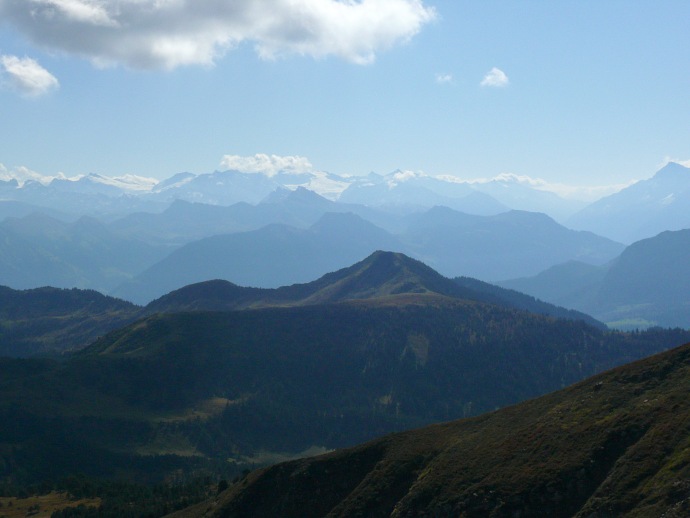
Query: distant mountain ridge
272	256
507	245
51	320
494	248
39	250
379	278
647	285
642	210
98	195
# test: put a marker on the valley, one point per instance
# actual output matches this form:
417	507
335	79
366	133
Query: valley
207	361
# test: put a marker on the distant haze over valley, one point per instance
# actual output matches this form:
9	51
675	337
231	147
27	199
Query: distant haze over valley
279	222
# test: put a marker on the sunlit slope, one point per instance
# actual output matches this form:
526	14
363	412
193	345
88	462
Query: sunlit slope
380	275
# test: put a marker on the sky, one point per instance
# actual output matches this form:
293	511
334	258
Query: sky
583	93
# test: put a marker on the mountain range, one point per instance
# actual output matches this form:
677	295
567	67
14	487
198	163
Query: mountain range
385	345
647	285
641	210
106	197
236	357
487	247
52	321
39	250
379	275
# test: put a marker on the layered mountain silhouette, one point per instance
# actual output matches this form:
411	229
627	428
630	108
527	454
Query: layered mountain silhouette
185	221
406	188
613	445
647	285
642	210
39	250
98	195
509	245
385	345
51	320
381	278
275	255
495	248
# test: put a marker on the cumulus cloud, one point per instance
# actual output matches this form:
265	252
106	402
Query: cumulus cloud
165	34
267	164
495	78
26	76
444	78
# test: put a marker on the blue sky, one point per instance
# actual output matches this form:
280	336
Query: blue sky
584	92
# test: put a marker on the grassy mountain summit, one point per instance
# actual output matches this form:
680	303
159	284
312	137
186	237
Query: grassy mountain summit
382	275
51	320
613	445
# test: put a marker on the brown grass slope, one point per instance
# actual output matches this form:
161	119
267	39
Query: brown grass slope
382	274
617	444
379	276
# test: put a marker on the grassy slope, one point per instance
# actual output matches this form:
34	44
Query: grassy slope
616	444
379	275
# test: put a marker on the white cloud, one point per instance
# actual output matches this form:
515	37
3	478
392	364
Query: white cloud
444	78
26	76
23	174
266	164
495	78
86	11
667	159
587	193
155	34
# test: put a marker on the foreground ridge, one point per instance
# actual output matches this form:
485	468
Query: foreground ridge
613	445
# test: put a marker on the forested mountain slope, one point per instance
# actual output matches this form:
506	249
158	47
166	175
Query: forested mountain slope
613	445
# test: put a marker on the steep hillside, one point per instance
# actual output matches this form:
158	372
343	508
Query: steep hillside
515	299
173	391
614	445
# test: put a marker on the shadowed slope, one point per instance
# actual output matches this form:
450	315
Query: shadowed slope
49	320
613	445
